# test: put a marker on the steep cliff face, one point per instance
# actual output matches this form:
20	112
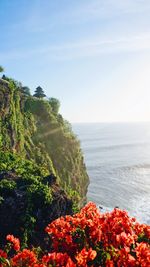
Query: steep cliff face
29	128
30	198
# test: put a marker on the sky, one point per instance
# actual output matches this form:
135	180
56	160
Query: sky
93	55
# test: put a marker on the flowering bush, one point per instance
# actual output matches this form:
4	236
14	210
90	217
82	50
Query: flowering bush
89	238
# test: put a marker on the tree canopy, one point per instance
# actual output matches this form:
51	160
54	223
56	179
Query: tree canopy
1	69
55	104
39	92
26	90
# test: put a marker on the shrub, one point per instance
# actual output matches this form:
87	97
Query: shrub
88	238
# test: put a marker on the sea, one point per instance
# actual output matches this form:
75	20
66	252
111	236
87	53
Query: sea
117	158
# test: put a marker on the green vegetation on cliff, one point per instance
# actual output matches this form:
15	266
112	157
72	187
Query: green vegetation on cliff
32	128
41	164
29	198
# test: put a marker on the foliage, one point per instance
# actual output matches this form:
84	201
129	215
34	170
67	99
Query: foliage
55	104
87	238
4	77
7	186
39	92
26	90
24	177
1	69
31	127
16	84
39	194
38	107
58	141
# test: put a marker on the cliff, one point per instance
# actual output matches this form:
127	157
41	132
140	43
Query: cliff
31	132
30	128
29	199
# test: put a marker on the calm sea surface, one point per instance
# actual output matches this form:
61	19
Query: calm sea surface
117	157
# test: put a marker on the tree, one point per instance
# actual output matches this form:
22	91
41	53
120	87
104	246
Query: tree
55	104
4	77
26	90
17	84
39	92
1	69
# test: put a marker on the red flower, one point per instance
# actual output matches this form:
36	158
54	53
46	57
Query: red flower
109	263
84	256
89	238
26	258
143	254
58	260
3	256
15	241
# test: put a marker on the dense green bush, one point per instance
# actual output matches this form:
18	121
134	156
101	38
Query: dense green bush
7	187
23	178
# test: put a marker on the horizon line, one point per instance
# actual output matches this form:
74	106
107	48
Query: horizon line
95	122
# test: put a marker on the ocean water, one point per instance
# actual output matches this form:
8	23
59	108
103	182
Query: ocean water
117	157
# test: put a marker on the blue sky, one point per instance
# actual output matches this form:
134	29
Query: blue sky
93	55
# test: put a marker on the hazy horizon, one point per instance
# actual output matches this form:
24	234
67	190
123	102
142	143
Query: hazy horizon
96	122
94	56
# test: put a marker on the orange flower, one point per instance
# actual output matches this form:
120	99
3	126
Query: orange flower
84	256
58	260
15	241
89	238
26	258
143	254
